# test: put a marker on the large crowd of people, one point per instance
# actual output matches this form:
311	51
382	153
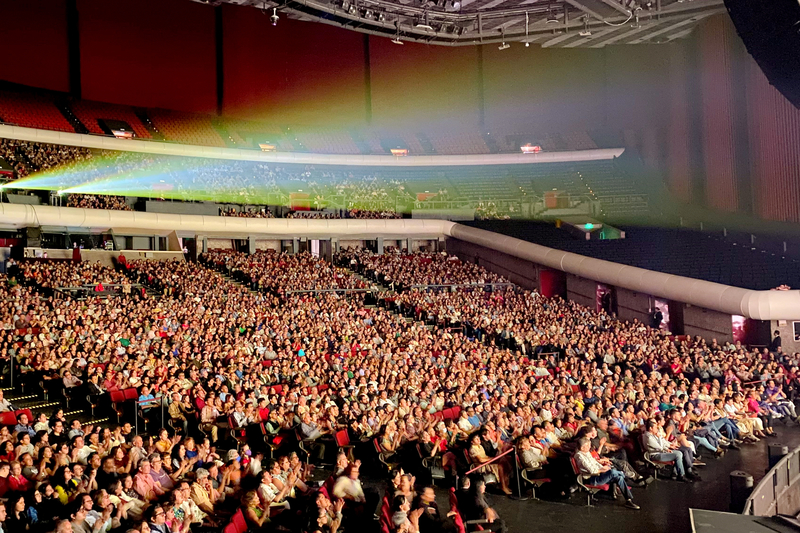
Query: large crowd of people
366	193
250	212
255	356
97	201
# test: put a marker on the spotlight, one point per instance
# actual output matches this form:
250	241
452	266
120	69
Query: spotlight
423	26
352	10
345	5
551	18
381	17
505	46
397	40
274	17
368	14
527	45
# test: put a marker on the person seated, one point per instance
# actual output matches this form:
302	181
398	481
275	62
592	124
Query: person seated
601	472
475	507
348	486
660	449
478	457
254	514
403	519
431	520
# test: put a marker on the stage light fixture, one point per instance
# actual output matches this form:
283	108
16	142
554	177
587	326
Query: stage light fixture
381	17
352	10
527	45
397	40
274	17
586	31
504	46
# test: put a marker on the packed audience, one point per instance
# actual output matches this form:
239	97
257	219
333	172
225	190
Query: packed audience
247	371
401	269
282	273
58	274
264	212
95	201
9	151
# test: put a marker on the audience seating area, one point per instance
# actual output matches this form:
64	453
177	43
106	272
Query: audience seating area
38	110
32	111
89	113
186	128
304	406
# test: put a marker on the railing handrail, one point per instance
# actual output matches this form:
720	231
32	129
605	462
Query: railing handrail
497	284
371	289
493	459
768	481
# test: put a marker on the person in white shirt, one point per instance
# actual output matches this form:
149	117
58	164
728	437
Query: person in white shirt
660	449
5	405
348	487
601	472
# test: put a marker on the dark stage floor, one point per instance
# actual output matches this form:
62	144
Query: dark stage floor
665	504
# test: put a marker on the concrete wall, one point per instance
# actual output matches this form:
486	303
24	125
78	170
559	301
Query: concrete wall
27	199
223	244
140	243
633	305
523	273
706	323
786	327
582	291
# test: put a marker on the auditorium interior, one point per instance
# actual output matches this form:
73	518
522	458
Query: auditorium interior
410	266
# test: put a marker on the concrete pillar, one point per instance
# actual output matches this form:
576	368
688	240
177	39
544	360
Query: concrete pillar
380	246
406	243
156	242
334	245
251	245
295	245
440	245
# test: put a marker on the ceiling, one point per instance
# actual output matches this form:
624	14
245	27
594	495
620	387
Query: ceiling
546	23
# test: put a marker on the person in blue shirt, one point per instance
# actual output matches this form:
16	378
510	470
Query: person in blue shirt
146	399
23	425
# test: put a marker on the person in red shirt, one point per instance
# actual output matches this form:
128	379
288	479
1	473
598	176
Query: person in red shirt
16	481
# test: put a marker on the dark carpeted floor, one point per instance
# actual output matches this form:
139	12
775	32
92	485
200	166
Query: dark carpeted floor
665	503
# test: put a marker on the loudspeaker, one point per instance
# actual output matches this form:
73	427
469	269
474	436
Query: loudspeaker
34	237
770	30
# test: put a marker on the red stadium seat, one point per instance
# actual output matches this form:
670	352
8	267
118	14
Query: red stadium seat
8	419
130	394
239	521
591	490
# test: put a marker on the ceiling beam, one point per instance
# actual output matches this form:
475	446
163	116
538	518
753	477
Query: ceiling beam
576	4
670	28
618	6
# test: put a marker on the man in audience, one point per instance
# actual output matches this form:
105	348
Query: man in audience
661	450
601	472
